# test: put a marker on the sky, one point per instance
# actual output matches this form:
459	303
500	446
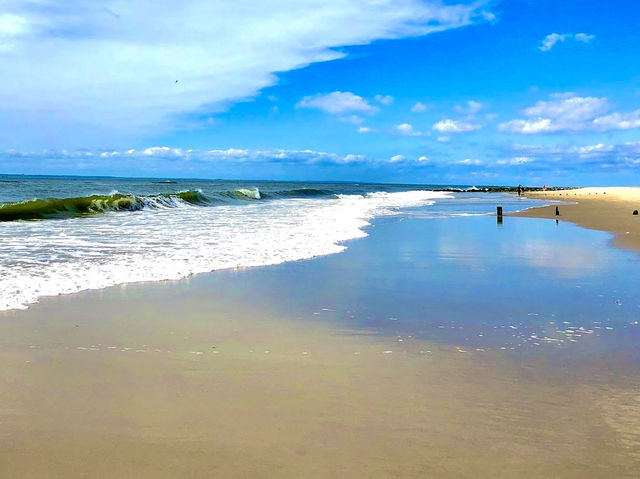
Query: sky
482	92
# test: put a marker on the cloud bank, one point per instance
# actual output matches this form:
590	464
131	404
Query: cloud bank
537	164
108	70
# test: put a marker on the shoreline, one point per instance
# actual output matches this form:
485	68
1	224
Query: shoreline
608	209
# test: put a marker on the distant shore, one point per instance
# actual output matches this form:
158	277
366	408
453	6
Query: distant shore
598	208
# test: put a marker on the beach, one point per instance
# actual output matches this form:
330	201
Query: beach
601	208
419	351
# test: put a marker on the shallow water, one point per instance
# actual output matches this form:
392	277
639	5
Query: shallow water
528	287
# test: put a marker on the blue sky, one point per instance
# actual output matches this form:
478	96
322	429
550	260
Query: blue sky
484	92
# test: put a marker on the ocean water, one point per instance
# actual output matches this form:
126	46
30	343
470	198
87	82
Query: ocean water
553	293
64	235
527	287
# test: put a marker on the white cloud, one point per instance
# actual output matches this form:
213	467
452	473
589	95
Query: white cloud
443	139
364	129
591	150
569	112
618	121
453	126
419	107
569	107
336	102
520	160
384	99
101	70
12	25
407	130
527	126
583	37
352	159
353	119
163	151
413	162
552	39
11	28
471	108
469	161
488	16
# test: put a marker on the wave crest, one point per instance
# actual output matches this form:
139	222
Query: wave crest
62	208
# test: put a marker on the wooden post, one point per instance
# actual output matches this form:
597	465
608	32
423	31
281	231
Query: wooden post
499	214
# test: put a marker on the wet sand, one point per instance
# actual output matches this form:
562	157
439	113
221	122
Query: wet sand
208	377
600	208
151	385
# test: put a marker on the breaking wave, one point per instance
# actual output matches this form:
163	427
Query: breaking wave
175	235
62	208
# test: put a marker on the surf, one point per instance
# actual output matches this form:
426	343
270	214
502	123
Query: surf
83	206
65	208
181	234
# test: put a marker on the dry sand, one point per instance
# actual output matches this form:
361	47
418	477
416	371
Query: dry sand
168	380
599	208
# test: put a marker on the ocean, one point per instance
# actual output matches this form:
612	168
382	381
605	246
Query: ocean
62	235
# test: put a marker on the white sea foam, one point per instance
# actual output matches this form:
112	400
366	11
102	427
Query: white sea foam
46	258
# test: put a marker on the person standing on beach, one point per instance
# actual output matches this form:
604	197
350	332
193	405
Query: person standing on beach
520	190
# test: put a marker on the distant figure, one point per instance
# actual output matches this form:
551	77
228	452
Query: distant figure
544	187
520	190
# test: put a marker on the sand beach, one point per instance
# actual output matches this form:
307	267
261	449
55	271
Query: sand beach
601	208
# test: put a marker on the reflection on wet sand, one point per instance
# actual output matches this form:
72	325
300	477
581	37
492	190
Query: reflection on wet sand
568	260
208	388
